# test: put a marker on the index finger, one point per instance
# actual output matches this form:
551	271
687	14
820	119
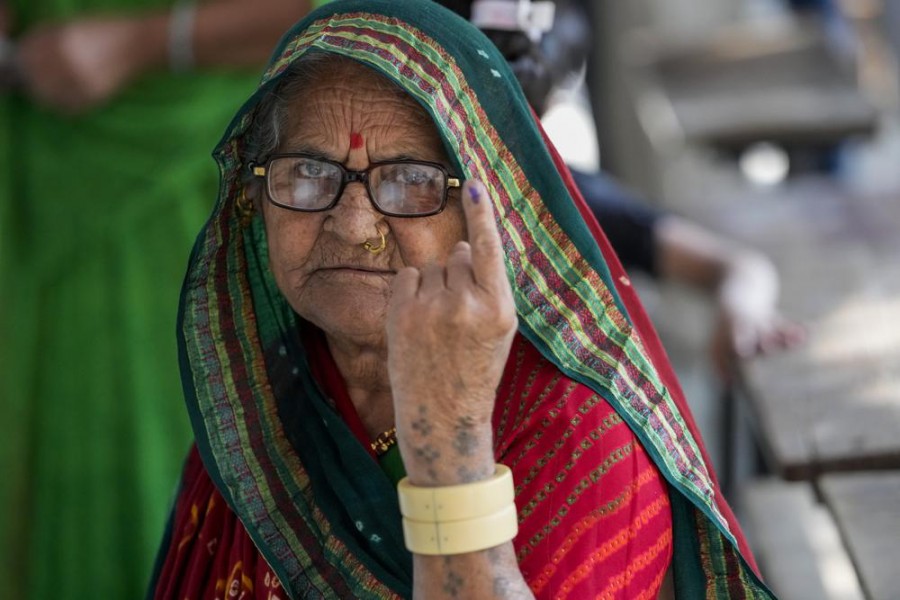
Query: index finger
488	267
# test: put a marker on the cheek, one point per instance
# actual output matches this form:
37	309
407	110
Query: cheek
454	224
291	239
429	240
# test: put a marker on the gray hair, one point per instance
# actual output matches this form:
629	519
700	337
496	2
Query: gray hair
264	134
270	118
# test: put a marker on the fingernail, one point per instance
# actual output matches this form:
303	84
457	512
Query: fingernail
475	193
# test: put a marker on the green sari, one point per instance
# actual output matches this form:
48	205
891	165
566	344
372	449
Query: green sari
272	446
97	214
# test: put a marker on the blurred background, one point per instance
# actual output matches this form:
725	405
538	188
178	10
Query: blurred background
775	124
763	134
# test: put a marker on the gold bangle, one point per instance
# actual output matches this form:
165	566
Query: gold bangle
457	502
460	537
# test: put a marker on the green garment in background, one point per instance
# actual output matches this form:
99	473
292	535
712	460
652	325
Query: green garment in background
97	217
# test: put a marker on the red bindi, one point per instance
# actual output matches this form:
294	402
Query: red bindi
356	141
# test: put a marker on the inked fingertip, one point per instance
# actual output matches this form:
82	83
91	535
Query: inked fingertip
475	193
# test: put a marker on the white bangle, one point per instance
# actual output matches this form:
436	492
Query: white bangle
457	502
460	537
181	37
456	519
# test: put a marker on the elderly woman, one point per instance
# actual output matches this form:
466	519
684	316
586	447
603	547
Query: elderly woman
412	366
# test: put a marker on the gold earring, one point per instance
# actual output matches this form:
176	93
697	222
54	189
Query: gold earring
376	249
244	208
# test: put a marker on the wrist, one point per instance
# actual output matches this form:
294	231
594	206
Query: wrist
445	472
449	455
459	519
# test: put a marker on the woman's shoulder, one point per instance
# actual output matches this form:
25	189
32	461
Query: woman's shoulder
546	422
534	392
207	550
587	493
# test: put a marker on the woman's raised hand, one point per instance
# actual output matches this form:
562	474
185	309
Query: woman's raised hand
449	333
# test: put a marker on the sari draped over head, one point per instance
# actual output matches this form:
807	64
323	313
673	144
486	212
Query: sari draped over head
612	481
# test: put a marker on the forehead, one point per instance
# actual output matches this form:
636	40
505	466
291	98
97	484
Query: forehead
343	99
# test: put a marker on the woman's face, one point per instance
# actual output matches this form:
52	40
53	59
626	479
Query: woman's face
318	259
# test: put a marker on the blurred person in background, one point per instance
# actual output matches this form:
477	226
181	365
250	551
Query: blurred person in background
816	8
109	108
545	54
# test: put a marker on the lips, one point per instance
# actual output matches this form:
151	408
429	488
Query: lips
359	268
357	272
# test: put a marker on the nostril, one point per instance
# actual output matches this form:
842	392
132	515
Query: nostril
354	218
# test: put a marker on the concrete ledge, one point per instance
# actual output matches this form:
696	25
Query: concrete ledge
797	542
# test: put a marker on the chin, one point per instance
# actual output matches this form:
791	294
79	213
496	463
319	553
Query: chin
362	316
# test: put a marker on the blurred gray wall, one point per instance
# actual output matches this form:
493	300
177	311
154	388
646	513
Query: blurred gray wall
625	150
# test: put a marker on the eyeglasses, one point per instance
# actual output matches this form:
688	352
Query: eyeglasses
397	188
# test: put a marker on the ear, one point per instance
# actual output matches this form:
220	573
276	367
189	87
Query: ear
255	192
248	201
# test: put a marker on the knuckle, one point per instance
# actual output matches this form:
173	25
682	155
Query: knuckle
507	313
457	318
485	245
402	324
506	320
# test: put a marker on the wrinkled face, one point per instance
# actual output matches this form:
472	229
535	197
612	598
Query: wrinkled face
318	259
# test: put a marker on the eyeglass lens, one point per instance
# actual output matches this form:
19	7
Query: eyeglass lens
401	188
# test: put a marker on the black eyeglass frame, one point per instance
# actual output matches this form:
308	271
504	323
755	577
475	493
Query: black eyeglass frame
351	176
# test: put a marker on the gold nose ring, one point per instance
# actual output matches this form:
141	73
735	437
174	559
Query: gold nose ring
372	248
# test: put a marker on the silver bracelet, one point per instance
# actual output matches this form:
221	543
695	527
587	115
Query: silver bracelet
181	37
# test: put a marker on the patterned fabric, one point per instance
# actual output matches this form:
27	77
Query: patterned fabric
593	510
212	555
594	518
290	468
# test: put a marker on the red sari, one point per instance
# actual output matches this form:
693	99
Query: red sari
594	519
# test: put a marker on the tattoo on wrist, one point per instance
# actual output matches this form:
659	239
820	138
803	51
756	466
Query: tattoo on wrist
465	441
467	475
503	587
429	455
452	582
421	425
495	555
